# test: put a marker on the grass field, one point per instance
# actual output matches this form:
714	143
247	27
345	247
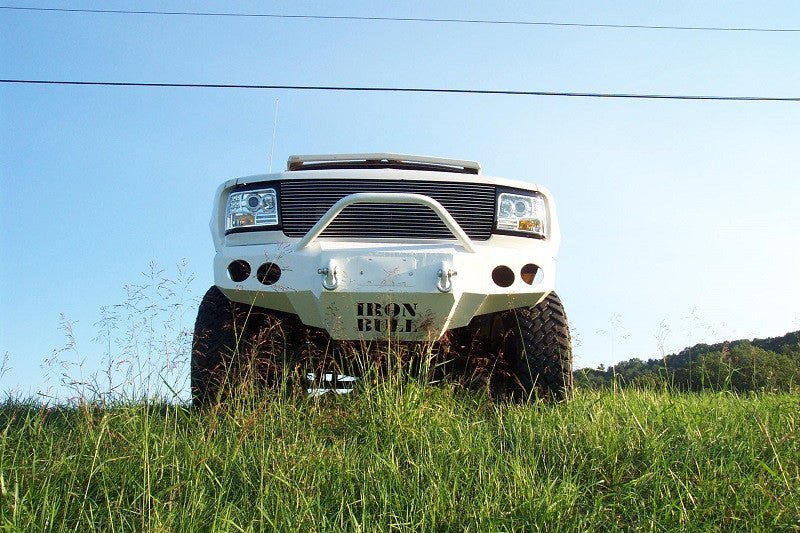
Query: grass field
408	458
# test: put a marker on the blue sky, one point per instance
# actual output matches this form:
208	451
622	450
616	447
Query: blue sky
679	218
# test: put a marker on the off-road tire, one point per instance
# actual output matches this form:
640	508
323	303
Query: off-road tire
537	349
234	343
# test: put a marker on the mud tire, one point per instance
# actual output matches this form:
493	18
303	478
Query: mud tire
537	350
235	345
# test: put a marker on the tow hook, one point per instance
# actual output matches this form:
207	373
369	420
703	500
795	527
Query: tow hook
444	283
329	281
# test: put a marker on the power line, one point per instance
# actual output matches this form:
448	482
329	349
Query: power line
401	19
404	90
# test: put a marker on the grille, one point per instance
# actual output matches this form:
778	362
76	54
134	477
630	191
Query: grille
303	203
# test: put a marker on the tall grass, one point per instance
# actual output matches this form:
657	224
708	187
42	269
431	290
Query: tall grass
407	458
397	455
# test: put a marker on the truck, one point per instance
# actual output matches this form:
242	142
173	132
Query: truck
380	248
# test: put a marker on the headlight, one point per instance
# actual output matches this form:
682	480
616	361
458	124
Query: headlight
524	213
248	209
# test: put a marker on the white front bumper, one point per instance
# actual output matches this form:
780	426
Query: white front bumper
388	290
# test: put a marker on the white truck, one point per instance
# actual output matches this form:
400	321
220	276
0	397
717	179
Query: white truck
382	247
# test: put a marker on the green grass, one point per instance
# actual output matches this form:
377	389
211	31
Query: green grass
408	458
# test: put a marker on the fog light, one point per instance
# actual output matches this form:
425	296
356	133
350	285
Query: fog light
268	273
239	271
503	276
528	273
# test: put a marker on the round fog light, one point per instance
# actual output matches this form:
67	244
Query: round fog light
268	273
503	276
239	270
528	273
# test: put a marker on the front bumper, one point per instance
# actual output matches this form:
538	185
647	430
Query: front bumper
374	291
384	290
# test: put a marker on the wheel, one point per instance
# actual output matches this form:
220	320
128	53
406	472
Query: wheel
235	346
537	350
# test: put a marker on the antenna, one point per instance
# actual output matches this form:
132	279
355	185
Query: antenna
274	130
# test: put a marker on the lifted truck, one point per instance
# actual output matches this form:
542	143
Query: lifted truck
373	247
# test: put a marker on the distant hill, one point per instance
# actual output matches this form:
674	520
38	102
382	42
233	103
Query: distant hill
740	365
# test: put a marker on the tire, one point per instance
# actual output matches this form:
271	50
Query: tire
235	346
537	349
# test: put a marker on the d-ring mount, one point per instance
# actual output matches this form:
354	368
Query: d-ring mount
329	280
444	283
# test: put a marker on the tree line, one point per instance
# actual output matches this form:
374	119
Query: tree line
771	364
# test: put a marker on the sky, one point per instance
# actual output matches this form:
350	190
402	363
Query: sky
679	218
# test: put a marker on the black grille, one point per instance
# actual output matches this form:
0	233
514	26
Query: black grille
303	202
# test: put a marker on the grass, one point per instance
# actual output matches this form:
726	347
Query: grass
407	458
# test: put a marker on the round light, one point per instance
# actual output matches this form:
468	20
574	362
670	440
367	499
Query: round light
528	273
268	273
505	207
253	202
503	276
521	208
